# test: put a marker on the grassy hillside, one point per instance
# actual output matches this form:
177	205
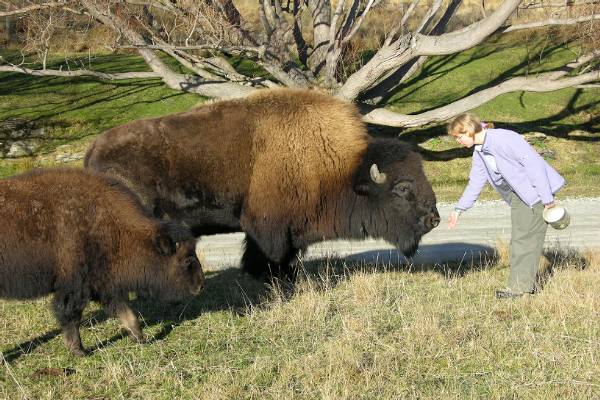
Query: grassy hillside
569	118
73	111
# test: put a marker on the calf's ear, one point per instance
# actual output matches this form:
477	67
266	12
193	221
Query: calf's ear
163	242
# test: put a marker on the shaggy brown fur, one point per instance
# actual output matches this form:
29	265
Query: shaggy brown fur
280	165
83	236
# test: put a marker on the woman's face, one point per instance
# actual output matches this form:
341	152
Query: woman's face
465	140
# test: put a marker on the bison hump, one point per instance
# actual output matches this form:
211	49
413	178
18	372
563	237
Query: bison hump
311	146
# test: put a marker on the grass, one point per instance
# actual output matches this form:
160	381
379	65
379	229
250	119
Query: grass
347	331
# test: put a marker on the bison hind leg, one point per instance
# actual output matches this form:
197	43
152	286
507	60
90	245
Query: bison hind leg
120	309
256	263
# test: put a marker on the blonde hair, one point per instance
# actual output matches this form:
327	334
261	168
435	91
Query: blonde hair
467	124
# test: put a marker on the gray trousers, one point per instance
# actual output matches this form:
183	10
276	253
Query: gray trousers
526	244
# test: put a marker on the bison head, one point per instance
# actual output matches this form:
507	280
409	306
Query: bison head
181	274
398	203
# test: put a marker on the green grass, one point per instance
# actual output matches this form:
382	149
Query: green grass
445	79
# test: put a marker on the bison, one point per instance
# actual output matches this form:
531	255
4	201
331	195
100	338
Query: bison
84	237
287	167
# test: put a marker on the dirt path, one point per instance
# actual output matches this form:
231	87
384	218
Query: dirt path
476	234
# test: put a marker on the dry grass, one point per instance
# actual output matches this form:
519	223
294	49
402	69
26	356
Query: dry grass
346	332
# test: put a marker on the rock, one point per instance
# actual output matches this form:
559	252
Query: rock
548	153
20	149
39	132
535	136
67	157
17	133
17	129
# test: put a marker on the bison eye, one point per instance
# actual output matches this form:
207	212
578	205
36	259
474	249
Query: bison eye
189	263
402	189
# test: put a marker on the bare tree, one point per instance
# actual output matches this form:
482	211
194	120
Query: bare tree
310	43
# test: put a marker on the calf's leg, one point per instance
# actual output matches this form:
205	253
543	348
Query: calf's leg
68	308
121	309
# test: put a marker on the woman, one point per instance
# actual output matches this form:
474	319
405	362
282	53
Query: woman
523	179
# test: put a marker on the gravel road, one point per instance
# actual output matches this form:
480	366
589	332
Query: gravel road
476	234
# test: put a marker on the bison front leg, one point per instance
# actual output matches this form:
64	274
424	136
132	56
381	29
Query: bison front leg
259	264
68	308
121	309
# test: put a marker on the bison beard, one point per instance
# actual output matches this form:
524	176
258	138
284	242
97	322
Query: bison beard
287	167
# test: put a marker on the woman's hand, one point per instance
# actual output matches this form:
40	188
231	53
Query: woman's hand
453	219
549	205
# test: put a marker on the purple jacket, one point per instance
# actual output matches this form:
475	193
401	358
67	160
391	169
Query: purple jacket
519	166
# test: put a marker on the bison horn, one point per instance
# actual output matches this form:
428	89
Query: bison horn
378	177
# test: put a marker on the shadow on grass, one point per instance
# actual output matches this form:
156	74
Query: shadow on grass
559	259
448	260
551	126
29	346
226	290
103	94
233	291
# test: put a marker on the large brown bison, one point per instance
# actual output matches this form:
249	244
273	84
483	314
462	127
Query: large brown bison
81	236
287	167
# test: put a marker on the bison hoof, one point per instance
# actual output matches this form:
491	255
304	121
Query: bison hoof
78	352
137	337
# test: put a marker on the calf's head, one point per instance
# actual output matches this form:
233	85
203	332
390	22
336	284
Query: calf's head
399	201
180	274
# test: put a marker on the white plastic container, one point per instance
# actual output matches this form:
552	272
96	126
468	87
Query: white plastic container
557	217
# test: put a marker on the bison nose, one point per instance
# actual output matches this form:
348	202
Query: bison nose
432	219
197	289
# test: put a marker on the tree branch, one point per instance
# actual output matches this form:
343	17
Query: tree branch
552	22
358	22
36	7
381	90
426	20
169	77
391	36
408	47
563	4
323	28
546	82
78	72
465	38
223	48
584	59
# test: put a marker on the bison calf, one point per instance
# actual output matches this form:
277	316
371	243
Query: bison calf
83	237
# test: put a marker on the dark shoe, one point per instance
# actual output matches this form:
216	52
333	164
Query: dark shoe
509	294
